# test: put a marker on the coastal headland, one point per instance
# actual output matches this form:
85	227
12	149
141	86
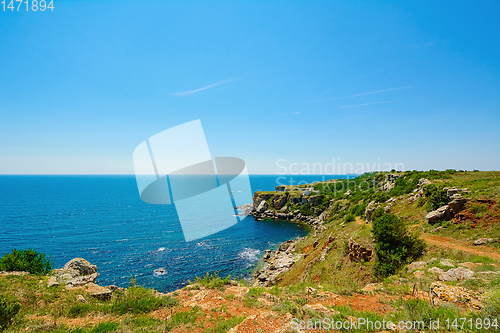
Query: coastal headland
443	263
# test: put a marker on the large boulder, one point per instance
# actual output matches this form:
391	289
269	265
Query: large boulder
481	241
443	293
358	252
448	211
457	203
99	292
76	272
456	274
440	214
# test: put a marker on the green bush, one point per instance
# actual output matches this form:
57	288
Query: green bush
395	245
212	281
402	186
436	197
377	213
349	218
7	312
305	209
105	327
358	210
25	260
140	300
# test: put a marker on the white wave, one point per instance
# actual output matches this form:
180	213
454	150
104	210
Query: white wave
249	254
161	249
160	271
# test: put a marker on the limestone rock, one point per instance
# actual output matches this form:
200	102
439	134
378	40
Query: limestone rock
456	274
422	182
446	262
81	298
417	265
358	252
52	282
263	206
419	274
321	308
99	292
76	272
441	292
279	201
481	241
457	204
436	270
447	212
369	210
440	214
82	266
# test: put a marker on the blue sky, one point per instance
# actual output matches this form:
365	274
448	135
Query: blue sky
273	83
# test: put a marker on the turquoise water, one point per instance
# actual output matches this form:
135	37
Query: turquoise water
102	219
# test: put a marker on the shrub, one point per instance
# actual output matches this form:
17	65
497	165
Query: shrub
105	327
377	213
7	312
380	196
358	210
395	245
140	300
401	186
306	209
349	218
25	260
212	281
436	197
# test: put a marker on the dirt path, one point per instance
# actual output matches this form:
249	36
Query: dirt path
360	221
451	243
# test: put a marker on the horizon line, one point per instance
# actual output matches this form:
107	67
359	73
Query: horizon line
133	174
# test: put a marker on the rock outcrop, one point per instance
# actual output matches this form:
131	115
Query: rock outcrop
481	241
456	274
276	262
447	212
358	252
76	272
443	293
369	210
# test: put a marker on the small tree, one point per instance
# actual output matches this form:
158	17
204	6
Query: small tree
436	197
25	260
395	245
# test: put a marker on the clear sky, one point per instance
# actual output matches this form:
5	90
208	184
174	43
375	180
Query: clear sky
273	82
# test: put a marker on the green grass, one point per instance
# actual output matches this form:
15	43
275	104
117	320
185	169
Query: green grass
224	325
184	318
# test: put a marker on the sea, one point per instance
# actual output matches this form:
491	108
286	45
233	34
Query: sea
101	218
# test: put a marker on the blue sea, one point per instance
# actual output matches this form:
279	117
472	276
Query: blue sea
102	219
